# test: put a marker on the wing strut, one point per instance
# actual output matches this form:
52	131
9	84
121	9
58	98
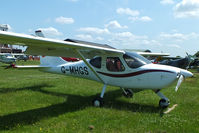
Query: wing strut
84	59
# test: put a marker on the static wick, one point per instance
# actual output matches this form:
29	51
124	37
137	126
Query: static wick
170	109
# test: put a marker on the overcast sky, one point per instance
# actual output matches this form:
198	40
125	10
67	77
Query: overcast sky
170	26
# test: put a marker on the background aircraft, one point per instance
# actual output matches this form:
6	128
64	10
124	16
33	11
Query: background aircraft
7	58
184	63
11	58
100	63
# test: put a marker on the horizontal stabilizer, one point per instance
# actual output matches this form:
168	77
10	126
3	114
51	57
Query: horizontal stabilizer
31	67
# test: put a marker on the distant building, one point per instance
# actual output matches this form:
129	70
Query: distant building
5	48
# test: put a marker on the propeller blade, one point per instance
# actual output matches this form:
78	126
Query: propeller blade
181	78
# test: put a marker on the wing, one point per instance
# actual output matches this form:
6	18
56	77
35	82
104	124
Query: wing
153	54
147	53
52	47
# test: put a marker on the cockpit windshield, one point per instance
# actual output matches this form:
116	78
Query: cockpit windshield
135	60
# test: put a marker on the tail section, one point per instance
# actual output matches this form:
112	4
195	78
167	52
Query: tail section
51	61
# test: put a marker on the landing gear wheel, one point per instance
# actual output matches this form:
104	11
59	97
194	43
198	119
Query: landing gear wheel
98	102
128	93
163	103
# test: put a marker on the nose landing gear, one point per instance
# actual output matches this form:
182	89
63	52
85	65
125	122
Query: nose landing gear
164	101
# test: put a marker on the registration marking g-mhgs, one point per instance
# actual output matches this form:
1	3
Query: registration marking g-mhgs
75	70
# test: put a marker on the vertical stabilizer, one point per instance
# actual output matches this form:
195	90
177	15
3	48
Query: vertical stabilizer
50	60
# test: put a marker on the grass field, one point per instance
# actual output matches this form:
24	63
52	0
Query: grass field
33	101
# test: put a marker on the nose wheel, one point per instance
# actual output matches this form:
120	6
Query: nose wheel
163	103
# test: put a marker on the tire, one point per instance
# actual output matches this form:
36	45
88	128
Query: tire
163	103
98	102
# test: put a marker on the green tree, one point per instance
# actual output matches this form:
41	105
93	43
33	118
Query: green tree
197	54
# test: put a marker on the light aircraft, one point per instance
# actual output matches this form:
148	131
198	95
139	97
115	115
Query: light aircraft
10	58
127	70
23	57
7	58
184	63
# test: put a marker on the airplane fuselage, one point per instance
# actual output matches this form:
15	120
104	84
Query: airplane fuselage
149	76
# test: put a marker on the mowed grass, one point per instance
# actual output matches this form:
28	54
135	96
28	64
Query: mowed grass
34	101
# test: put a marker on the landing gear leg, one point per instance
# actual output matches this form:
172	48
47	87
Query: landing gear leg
164	101
127	93
98	102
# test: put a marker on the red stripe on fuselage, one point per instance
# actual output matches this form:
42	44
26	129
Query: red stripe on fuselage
69	59
132	74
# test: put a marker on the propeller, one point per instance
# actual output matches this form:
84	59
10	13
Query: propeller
181	78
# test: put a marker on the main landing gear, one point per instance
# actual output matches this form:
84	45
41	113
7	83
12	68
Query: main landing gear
127	93
164	101
98	102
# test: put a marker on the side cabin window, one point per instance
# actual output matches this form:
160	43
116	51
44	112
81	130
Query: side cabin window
114	64
134	60
96	62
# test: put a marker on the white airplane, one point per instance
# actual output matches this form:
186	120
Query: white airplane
11	58
7	58
114	67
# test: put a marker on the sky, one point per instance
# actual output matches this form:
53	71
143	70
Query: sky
169	26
